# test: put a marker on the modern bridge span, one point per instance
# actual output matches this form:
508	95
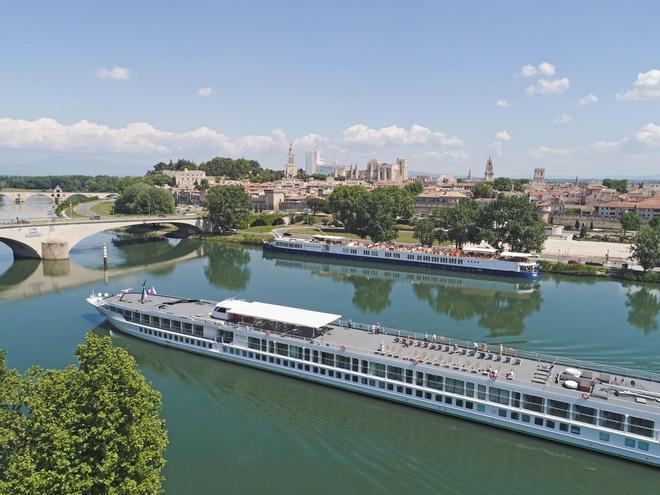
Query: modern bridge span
52	240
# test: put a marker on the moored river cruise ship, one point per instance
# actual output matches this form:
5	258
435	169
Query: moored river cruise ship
602	408
477	259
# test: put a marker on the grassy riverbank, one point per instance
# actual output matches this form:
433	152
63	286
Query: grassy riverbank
580	270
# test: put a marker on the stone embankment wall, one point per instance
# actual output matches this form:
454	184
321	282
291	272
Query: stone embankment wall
599	223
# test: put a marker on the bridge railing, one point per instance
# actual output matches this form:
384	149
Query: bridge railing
11	222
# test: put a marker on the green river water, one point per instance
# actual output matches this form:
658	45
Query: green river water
233	429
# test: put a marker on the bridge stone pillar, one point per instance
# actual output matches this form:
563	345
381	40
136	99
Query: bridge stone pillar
54	250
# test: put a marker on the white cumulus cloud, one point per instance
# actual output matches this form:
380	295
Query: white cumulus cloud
396	135
549	87
502	103
543	69
588	100
647	87
205	91
503	136
116	73
564	118
649	134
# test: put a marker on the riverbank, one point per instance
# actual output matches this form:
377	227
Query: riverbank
580	270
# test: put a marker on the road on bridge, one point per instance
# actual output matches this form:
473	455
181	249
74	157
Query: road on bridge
85	209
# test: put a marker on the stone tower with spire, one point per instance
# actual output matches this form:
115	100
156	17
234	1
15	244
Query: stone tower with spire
489	174
290	166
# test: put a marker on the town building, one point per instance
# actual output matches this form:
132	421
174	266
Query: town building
290	165
428	200
185	179
539	175
489	173
313	162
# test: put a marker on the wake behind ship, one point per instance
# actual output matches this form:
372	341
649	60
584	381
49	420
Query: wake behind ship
606	409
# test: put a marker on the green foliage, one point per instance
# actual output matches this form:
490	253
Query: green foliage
577	224
415	187
403	202
318	177
655	222
157	179
317	204
483	190
620	185
376	216
646	247
91	428
630	221
461	223
343	203
71	202
502	184
141	198
425	231
583	231
512	221
180	164
230	168
228	206
264	219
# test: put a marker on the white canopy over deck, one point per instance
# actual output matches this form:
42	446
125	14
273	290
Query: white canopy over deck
279	314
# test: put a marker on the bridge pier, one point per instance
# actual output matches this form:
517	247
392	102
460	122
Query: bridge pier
54	250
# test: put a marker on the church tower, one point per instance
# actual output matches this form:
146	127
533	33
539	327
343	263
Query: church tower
488	174
290	166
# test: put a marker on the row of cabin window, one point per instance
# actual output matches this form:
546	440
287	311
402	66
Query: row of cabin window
366	252
172	325
559	409
436	259
392	255
493	392
175	338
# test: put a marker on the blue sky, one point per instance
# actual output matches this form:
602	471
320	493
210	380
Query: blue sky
113	87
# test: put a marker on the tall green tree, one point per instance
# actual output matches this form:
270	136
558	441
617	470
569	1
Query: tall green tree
343	203
414	187
141	198
317	204
512	221
403	202
502	184
629	221
461	223
621	185
424	231
90	428
646	247
376	216
228	207
483	190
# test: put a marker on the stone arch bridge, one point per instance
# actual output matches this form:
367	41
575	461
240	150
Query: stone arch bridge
52	240
55	195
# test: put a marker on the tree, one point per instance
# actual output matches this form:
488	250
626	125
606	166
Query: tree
512	221
403	202
142	198
415	187
461	223
591	225
655	222
203	185
502	184
343	203
583	231
317	204
228	206
424	231
646	247
482	190
157	179
621	185
376	216
577	224
629	221
90	428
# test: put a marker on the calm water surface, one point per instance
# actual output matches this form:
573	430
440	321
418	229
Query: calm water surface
237	430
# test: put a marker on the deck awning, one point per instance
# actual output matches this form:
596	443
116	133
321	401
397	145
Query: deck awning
280	314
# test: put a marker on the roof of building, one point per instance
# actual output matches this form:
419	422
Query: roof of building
617	204
281	314
649	203
442	194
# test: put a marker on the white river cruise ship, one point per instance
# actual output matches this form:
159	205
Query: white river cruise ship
477	259
603	408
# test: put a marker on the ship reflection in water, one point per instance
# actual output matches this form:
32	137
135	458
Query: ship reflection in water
500	304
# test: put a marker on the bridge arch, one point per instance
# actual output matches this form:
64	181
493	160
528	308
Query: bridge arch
53	240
